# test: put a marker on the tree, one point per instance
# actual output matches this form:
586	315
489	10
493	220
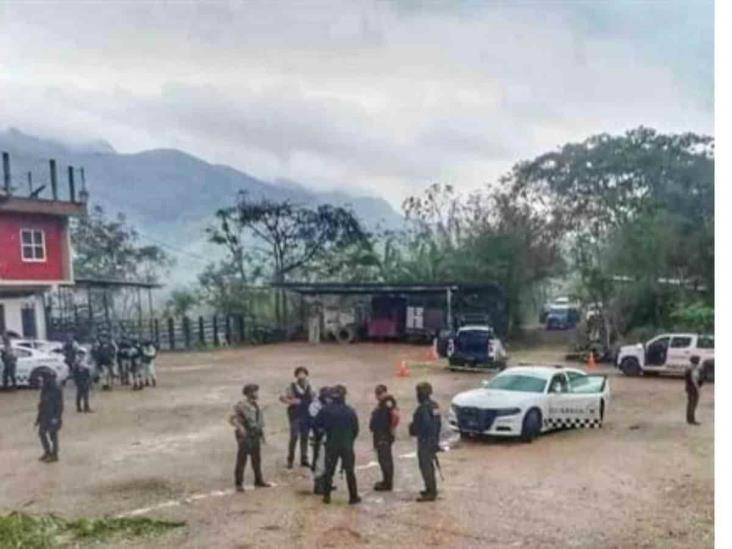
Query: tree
181	301
109	248
637	207
289	238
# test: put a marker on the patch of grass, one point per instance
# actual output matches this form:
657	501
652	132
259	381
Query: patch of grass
20	530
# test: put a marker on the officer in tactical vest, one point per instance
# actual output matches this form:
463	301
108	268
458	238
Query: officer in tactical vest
384	420
340	423
248	422
425	426
298	396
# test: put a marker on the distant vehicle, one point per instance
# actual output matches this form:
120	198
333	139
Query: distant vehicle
562	317
667	354
32	363
476	347
526	401
57	348
560	302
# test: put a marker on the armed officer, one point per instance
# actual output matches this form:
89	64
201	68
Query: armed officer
340	423
384	420
425	426
248	422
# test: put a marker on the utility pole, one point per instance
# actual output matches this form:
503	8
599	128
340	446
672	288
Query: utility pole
54	181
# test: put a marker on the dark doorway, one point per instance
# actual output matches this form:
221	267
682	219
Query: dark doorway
2	319
28	319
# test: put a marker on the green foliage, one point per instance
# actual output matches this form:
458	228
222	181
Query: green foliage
109	248
20	530
696	317
181	301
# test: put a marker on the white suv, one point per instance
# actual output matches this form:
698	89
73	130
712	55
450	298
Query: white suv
667	353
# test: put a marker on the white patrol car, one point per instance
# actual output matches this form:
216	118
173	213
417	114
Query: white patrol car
33	362
666	353
525	401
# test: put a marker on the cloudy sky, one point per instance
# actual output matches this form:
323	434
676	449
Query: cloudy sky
378	97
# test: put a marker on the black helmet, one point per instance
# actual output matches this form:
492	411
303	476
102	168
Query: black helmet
339	392
250	388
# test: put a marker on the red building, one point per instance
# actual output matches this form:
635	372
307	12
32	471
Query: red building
35	257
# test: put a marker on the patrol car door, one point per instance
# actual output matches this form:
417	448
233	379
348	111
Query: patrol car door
656	352
679	353
557	392
585	401
25	364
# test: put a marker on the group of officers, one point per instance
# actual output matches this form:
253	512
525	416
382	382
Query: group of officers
131	362
325	421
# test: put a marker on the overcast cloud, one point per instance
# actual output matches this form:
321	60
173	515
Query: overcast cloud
383	98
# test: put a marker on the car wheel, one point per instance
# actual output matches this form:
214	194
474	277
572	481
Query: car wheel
630	367
708	369
602	412
531	426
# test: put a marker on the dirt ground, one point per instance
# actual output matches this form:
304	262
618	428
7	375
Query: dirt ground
645	479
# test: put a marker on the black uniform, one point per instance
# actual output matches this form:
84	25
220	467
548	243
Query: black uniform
9	361
82	379
382	428
425	426
340	423
49	419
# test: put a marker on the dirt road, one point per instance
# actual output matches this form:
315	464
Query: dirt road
644	480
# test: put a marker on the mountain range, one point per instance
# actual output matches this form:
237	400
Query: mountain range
170	196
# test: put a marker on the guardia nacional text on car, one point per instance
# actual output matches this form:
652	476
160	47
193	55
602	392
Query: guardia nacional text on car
525	401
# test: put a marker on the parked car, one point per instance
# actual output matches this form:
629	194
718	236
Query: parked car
476	347
668	354
562	317
32	363
526	401
57	348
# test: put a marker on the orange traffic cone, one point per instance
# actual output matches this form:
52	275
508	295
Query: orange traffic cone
591	360
402	370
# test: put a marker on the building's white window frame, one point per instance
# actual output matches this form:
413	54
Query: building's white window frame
34	245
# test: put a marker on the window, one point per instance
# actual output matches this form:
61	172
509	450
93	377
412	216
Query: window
558	384
513	382
33	245
705	342
680	342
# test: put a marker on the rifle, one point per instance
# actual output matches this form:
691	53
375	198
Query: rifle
439	468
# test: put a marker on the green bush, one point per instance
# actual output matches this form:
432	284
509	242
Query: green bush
695	317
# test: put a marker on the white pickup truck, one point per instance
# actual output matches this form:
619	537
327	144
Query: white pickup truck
667	353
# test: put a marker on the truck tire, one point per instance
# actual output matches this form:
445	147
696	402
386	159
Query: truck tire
708	369
630	367
346	334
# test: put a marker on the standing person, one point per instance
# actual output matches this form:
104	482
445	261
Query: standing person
148	352
83	381
123	361
384	420
49	419
340	423
134	354
693	380
248	422
9	361
318	462
425	426
71	351
104	353
298	396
